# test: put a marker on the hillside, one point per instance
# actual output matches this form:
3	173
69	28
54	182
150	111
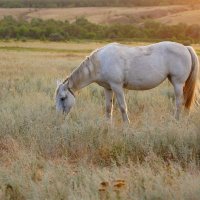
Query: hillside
188	17
109	15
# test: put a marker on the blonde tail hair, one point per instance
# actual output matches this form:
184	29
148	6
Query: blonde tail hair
191	84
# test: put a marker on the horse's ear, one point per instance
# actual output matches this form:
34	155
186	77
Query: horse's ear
58	82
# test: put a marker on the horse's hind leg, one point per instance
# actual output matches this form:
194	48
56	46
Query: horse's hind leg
118	90
109	103
178	89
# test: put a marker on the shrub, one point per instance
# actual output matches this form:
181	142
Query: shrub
83	29
56	37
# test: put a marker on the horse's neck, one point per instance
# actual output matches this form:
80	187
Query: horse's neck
84	75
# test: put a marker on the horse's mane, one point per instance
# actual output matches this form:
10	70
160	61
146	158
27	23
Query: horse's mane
77	72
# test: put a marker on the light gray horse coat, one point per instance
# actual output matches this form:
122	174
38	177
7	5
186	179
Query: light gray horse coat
117	66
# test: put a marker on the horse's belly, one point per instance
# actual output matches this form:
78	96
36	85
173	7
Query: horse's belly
133	86
145	82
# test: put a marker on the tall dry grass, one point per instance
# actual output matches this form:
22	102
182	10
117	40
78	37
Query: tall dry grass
44	155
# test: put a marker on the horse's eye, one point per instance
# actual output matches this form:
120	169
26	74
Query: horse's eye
62	99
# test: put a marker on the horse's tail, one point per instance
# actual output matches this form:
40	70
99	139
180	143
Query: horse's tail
191	84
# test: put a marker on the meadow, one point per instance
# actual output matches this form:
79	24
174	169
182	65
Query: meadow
45	155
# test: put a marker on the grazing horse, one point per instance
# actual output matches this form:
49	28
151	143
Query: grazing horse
116	66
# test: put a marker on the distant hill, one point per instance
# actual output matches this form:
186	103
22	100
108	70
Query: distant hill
187	17
89	3
111	15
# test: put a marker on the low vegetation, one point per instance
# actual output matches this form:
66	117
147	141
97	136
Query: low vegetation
83	29
45	155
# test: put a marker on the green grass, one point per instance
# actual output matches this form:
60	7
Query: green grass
55	50
15	48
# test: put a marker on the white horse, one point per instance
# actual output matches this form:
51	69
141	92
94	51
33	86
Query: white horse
117	66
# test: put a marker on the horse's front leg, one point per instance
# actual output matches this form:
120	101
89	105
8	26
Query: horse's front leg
109	103
118	90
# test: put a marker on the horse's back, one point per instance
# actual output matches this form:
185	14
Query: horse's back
144	67
115	53
117	49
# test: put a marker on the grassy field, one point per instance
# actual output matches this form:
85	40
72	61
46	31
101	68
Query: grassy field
44	155
108	15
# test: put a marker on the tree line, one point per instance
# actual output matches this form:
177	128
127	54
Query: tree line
85	3
54	30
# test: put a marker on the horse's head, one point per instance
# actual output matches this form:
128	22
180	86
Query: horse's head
64	98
